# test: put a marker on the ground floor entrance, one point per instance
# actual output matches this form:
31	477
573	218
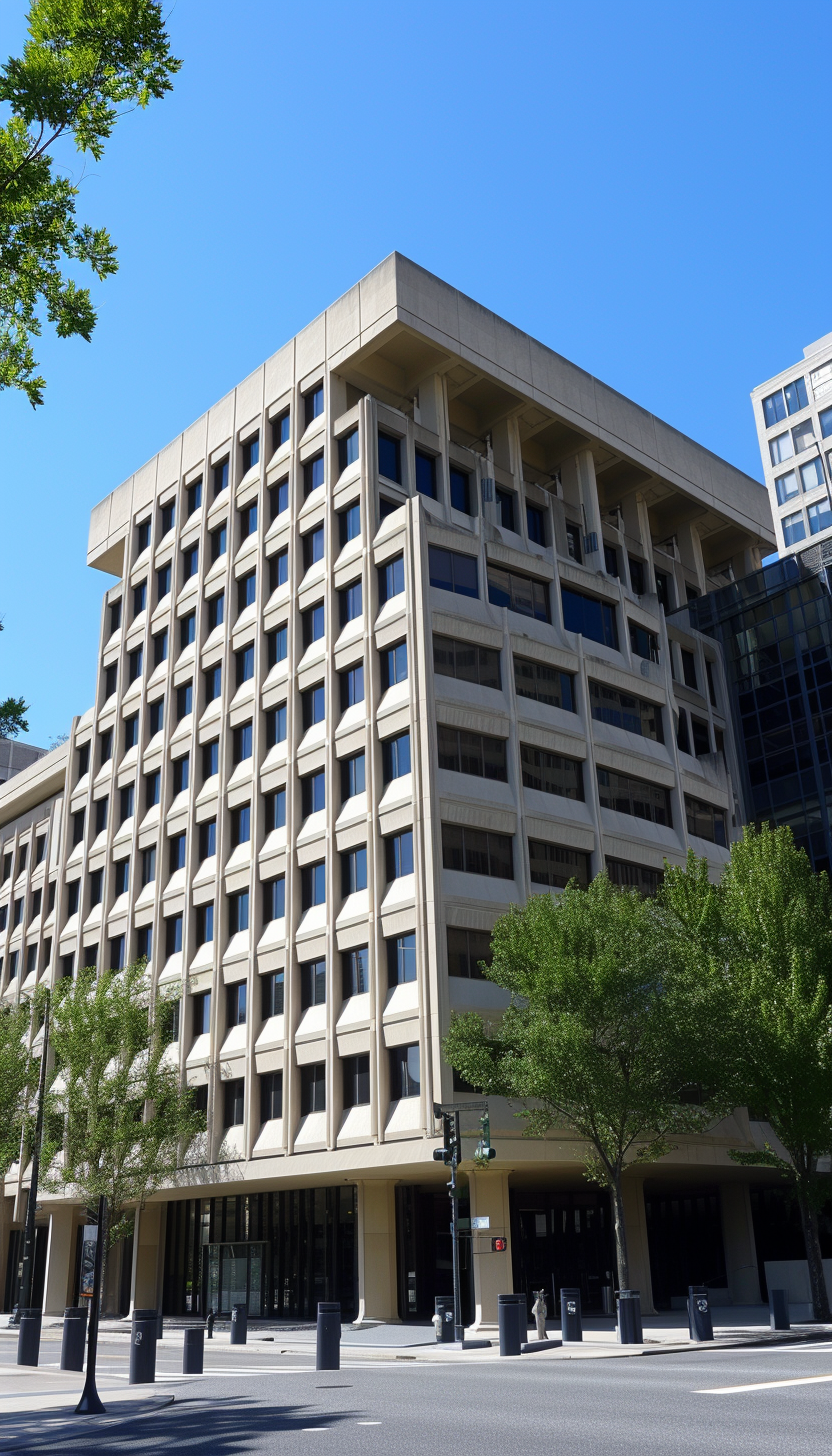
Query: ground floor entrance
561	1240
424	1251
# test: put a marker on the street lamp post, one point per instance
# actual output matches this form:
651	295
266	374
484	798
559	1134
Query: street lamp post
90	1403
451	1155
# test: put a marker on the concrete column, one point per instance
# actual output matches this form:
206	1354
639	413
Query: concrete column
377	1293
738	1240
637	1246
147	1249
59	1255
492	1272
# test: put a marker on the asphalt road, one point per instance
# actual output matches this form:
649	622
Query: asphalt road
743	1402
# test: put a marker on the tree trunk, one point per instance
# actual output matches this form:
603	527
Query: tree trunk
621	1255
811	1238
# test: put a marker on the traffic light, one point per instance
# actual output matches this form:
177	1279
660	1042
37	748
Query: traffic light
499	1246
446	1154
484	1151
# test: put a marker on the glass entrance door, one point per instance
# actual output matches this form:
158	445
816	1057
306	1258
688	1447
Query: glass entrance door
235	1276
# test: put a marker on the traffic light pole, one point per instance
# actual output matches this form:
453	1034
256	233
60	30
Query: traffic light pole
459	1328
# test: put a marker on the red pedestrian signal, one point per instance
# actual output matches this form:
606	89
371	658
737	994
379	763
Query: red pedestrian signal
499	1246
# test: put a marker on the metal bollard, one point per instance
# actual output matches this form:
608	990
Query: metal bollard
629	1317
74	1337
160	1328
193	1351
511	1316
778	1309
700	1323
444	1312
571	1324
28	1339
143	1347
239	1324
608	1298
210	1323
328	1352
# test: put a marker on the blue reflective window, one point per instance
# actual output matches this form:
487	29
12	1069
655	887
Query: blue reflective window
774	409
794	528
820	517
460	491
786	487
812	475
391	579
389	457
453	571
590	617
348	449
796	397
425	474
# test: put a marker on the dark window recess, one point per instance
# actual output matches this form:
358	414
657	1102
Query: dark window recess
177	852
350	603
278	570
202	1014
544	683
246	591
706	821
505	509
274	899
352	776
190	563
276	726
453	571
131	731
535	525
589	616
471	753
389	458
352	686
115	616
277	646
213	684
610	560
663	590
313	793
278	499
404	1072
425	474
168	518
355	972
236	1004
313	547
272	995
349	524
313	706
156	716
521	594
313	1088
701	736
216	611
313	474
634	876
240	825
551	773
313	624
393	663
386	507
354	871
709	673
143	536
313	404
466	661
204	924
552	865
194	497
460	482
391	579
210	759
347	450
140	591
689	669
219	542
220	477
173	934
184	701
271	1096
275	807
234	1102
251	453
248	522
624	710
466	948
187	631
395	757
238	908
643	643
356	1080
398	855
242	742
628	795
691	592
477	852
682	732
313	885
573	541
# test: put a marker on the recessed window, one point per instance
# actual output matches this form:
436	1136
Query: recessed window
213	683
144	947
522	594
194	497
238	912
274	899
313	474
190	563
173	934
352	776
312	984
115	616
350	603
207	839
168	518
780	448
313	404
140	597
234	1102
689	669
627	795
187	631
506	509
425	474
352	686
78	823
404	1072
453	571
73	891
177	851
184	701
393	665
272	995
313	1088
243	740
313	547
278	499
160	648
246	591
128	799
313	624
590	617
701	736
181	774
240	825
391	579
633	876
638	577
820	517
466	661
148	865
348	450
163	581
248	522
573	541
156	716
811	474
477	852
356	1080
466	949
535	525
277	645
278	570
354	871
313	706
244	660
398	850
101	811
313	793
460	482
794	528
624	710
122	873
105	744
275	810
276	726
40	849
471	753
643	643
313	885
706	821
389	457
216	611
142	536
110	680
349	524
551	773
251	453
202	1013
401	959
271	1096
280	430
552	865
219	542
235	1014
355	972
220	477
544	684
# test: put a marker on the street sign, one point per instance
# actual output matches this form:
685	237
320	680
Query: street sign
481	1223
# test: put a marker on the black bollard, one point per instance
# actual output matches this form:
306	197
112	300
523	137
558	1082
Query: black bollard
778	1309
74	1337
143	1347
511	1317
193	1351
571	1324
328	1353
629	1317
28	1340
700	1323
444	1307
160	1328
210	1323
239	1324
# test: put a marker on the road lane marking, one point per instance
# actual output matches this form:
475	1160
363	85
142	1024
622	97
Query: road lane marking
764	1385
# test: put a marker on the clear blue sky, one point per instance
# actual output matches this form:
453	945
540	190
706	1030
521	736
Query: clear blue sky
643	187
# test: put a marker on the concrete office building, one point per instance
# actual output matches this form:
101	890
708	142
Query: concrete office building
793	415
15	756
385	653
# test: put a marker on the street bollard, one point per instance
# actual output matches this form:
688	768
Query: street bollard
28	1339
143	1347
778	1309
74	1337
328	1353
571	1324
629	1317
444	1312
193	1351
608	1299
511	1319
210	1323
700	1322
239	1324
160	1328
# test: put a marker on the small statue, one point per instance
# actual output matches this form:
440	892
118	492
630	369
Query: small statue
210	1323
539	1312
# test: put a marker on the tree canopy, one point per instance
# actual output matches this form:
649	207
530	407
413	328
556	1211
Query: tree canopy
85	62
18	1080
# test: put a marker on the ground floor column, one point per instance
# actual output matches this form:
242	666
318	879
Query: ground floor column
147	1251
738	1241
60	1252
377	1287
638	1249
492	1271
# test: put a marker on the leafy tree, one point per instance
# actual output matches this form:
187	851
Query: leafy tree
18	1079
766	929
600	1032
85	62
13	717
115	1107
